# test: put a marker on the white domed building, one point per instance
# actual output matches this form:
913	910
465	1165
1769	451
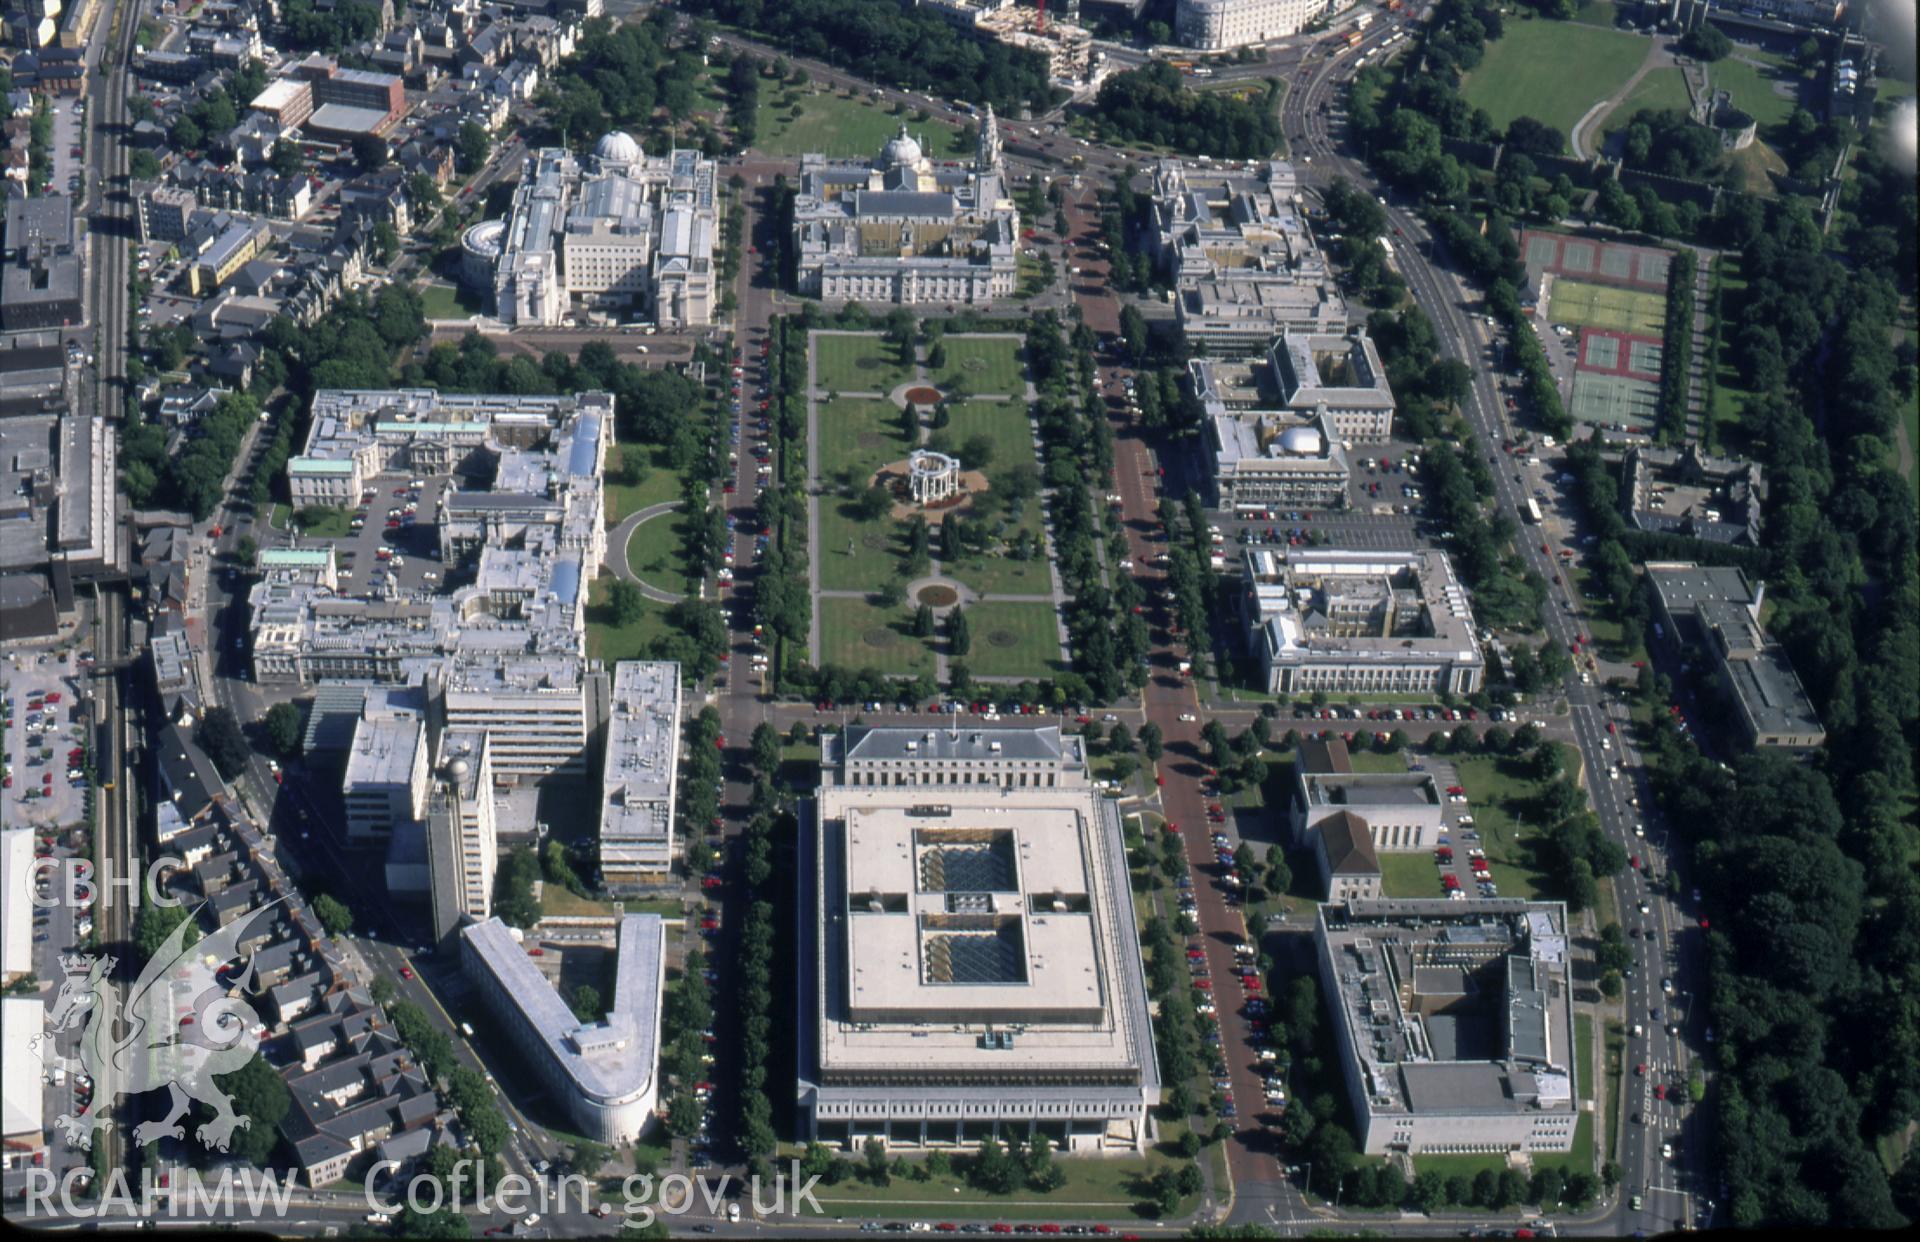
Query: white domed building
932	478
907	228
609	235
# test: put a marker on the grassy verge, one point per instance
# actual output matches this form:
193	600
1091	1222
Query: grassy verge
1409	875
608	641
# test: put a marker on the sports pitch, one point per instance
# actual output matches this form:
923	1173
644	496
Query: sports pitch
1582	305
1610	399
1615	353
1643	267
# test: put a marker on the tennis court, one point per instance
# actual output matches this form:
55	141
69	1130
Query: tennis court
1581	305
1611	399
1607	262
1615	353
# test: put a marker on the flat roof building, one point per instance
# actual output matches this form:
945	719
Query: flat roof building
1338	376
638	781
40	278
972	970
1713	610
1686	492
1216	25
385	786
1010	757
1359	622
16	914
1454	1021
462	832
1243	262
605	1074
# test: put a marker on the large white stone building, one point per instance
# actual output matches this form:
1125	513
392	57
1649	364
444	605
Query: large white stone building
616	233
1454	1021
1359	622
1243	262
971	968
605	1074
1215	25
907	228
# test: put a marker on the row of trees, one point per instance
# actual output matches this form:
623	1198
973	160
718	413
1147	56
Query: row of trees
907	48
1676	365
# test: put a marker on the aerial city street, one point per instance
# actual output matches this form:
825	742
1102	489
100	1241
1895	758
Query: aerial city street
1127	618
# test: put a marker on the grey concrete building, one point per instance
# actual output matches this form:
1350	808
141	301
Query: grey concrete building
1454	1021
1714	612
1359	622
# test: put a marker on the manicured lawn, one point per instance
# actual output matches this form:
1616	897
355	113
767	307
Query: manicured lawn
1597	13
637	476
1366	759
1552	71
858	635
1002	575
446	302
1661	88
1583	1054
1409	875
1101	1187
559	900
830	124
609	642
856	555
1754	89
657	553
857	362
332	523
860	436
983	365
1013	640
1002	422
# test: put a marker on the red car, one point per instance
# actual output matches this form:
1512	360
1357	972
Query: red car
1204	984
1660	1091
406	972
1634	862
1611	727
1456	789
1449	881
712	881
710	923
54	697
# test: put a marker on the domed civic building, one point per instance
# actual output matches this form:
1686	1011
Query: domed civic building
907	228
607	236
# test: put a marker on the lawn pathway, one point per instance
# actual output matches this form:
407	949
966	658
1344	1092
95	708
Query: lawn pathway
1658	57
623	535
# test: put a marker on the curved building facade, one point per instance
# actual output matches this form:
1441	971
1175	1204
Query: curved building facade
605	1073
480	253
1214	25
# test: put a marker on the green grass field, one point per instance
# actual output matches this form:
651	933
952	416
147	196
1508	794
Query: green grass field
983	365
637	477
1753	88
657	554
860	435
858	635
1661	88
857	362
1003	422
1013	640
1366	759
1409	875
1499	793
1552	71
447	302
609	642
1002	575
1579	304
878	548
1600	13
831	124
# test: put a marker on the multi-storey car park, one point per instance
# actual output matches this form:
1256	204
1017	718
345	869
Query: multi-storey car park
605	1074
1359	622
906	228
970	964
1454	1021
1243	262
